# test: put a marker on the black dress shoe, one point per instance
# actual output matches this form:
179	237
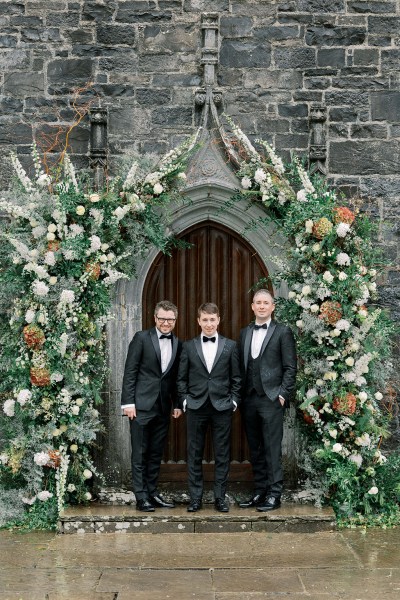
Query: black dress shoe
270	503
253	501
159	502
194	505
221	505
144	505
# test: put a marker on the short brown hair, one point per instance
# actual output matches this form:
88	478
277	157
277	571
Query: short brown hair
166	305
208	307
263	291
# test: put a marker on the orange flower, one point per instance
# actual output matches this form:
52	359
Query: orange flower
308	419
40	377
34	336
322	228
93	268
55	459
342	214
345	405
53	245
331	311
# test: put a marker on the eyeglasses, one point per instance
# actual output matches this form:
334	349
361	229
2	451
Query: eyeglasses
169	321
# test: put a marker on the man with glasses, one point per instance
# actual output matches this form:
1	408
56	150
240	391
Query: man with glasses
148	395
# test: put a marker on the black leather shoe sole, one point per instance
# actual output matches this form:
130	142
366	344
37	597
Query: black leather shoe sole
194	506
144	506
221	506
253	502
267	506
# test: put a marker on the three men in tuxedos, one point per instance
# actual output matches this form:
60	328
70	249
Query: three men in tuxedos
148	395
268	365
209	392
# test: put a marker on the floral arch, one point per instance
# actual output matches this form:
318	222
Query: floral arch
66	246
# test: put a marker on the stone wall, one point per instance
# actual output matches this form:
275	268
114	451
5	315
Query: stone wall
279	63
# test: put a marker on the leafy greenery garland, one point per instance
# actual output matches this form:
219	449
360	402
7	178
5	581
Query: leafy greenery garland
67	245
344	340
62	250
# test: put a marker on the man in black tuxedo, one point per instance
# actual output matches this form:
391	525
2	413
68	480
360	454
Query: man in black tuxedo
148	393
269	364
209	392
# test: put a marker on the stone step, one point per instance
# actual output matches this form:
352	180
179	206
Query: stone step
100	518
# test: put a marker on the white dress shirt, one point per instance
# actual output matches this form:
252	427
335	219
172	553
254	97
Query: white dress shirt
258	339
209	351
166	351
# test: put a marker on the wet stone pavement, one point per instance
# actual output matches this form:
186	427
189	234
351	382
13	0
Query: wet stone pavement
346	564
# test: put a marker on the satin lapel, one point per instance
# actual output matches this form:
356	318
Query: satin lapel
173	355
197	343
156	343
221	344
247	342
271	329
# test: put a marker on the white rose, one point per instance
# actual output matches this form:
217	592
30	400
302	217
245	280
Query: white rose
300	324
50	236
71	487
80	210
103	258
328	277
337	447
333	433
292	295
309	226
94	197
87	474
363	396
373	491
79	401
246	183
73	448
52	228
342	276
158	189
302	196
314	308
316	248
306	291
378	396
75	410
53	280
88	496
349	361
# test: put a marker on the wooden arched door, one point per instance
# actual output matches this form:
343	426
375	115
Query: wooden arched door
219	267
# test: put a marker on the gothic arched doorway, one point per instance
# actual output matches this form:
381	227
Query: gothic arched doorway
221	267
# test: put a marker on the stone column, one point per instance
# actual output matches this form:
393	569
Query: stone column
98	145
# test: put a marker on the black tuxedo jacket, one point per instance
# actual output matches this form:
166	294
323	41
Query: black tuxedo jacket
222	385
143	379
278	361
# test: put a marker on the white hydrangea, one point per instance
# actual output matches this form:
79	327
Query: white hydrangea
24	396
9	407
260	176
41	458
343	259
343	325
328	277
67	297
44	495
39	288
29	315
302	196
342	229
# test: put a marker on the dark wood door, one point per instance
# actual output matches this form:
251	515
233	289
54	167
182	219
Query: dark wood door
219	267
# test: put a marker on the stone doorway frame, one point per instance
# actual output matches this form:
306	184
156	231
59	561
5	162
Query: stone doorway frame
206	201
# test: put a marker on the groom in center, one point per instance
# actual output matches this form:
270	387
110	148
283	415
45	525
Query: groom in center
209	391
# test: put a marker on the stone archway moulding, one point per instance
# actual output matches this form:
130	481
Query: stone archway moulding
205	202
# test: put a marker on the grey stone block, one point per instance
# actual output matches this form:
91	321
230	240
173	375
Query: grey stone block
71	72
235	27
335	36
295	58
151	96
385	106
101	13
293	110
321	6
116	35
21	84
350	157
366	56
172	117
206	5
174	39
249	54
362	6
370	130
331	57
17	59
384	25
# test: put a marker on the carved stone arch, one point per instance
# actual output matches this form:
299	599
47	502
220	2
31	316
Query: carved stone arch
205	202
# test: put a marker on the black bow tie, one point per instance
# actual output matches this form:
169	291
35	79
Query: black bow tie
207	339
263	326
166	337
